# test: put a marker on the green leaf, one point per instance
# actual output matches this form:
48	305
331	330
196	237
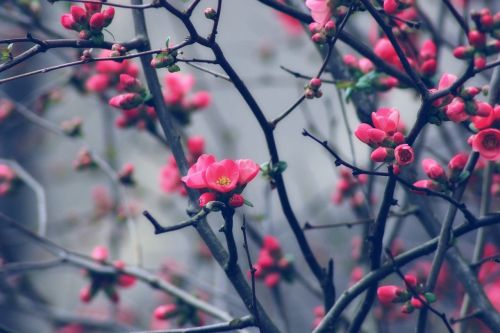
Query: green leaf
174	68
430	297
280	167
248	203
167	42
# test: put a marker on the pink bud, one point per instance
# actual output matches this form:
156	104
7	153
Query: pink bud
483	109
388	294
165	311
86	294
236	200
97	83
455	111
206	198
93	7
130	83
428	50
271	244
109	14
272	280
68	22
458	162
100	253
476	38
126	101
196	145
426	184
97	21
380	155
201	99
416	303
79	14
391	6
479	61
315	83
433	169
365	65
411	280
429	67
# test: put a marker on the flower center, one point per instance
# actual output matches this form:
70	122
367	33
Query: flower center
223	181
405	156
490	142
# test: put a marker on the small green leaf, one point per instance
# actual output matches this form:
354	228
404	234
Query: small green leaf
430	297
174	68
248	203
167	42
280	167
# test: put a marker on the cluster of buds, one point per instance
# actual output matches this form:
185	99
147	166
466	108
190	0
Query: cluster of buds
479	48
390	294
349	186
272	266
312	90
170	177
440	180
88	21
392	7
322	33
221	181
183	312
126	174
166	59
177	95
108	71
105	281
6	108
84	160
72	127
8	179
133	104
386	137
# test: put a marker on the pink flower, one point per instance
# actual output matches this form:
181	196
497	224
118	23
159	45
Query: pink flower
177	86
365	65
370	135
201	100
384	49
130	83
458	162
446	81
97	83
487	143
388	294
428	50
455	111
320	10
195	177
404	154
248	169
126	101
433	169
386	120
222	176
100	253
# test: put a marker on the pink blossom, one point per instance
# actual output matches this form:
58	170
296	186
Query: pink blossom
388	294
457	162
391	6
206	197
201	100
195	177
222	176
177	86
320	10
271	244
369	135
386	119
404	154
97	83
487	143
126	101
446	81
68	22
428	50
96	21
100	253
455	111
381	154
433	169
248	169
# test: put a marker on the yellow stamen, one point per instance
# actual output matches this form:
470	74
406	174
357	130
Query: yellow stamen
223	180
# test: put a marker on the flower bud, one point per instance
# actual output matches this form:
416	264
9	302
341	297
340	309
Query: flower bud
206	197
315	83
130	83
68	22
78	14
165	311
196	145
109	14
97	22
272	280
416	303
433	169
100	253
382	154
210	13
388	294
126	101
236	200
477	39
